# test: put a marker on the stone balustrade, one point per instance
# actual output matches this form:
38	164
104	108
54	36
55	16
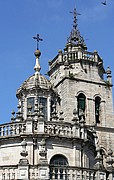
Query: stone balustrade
79	55
13	128
88	56
73	55
9	173
70	56
50	128
12	173
67	130
53	128
55	172
72	173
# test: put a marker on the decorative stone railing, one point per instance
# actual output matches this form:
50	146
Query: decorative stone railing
55	172
62	129
88	56
9	173
72	173
67	130
13	128
70	56
75	55
79	55
12	172
56	128
52	128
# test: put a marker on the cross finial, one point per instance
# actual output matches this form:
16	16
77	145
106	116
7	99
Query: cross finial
37	38
75	18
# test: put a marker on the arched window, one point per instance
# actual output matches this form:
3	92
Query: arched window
81	103
97	109
58	169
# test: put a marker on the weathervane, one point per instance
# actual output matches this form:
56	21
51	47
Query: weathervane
75	19
37	38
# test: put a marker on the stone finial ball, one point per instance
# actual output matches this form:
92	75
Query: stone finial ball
24	143
37	53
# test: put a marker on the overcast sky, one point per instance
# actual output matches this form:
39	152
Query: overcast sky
20	20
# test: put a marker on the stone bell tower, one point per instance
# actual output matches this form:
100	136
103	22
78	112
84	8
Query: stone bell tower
79	77
85	87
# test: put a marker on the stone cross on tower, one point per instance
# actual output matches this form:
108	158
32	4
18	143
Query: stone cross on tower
75	18
37	38
75	36
37	54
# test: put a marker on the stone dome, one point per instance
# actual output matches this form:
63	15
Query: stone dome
33	82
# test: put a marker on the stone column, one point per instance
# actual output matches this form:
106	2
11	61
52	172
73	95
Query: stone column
41	120
90	112
35	114
48	108
29	125
74	153
95	56
25	107
76	125
79	53
103	113
82	128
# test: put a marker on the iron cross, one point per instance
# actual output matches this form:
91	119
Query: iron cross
37	38
75	19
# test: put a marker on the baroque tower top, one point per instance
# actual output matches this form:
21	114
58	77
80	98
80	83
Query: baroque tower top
75	36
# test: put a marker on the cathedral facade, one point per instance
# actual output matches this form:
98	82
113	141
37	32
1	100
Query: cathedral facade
64	127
